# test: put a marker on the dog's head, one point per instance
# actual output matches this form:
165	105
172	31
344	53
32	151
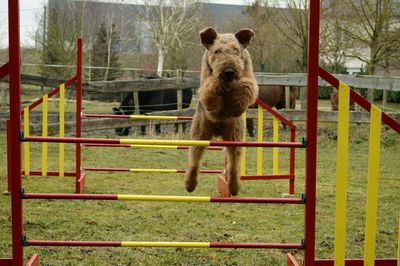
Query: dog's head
226	56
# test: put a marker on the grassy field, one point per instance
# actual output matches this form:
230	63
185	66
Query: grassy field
157	221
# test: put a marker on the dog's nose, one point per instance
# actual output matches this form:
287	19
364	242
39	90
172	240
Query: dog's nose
229	74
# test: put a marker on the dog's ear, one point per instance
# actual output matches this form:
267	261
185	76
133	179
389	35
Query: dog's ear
244	36
208	36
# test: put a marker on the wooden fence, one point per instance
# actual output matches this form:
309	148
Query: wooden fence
296	79
299	80
358	81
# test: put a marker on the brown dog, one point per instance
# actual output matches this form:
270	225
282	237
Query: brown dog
227	88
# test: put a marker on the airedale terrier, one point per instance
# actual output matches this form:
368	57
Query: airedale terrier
227	88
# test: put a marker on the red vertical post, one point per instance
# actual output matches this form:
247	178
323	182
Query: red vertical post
79	179
15	126
312	109
9	156
292	159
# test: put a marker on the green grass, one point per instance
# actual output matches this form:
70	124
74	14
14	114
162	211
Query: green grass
157	221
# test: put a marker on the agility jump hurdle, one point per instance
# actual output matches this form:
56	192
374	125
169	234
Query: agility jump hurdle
25	113
18	239
221	183
80	186
377	116
276	118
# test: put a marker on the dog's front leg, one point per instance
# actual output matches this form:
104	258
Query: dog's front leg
195	155
233	132
200	131
233	156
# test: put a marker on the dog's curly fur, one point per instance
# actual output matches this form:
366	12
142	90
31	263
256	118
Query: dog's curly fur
227	88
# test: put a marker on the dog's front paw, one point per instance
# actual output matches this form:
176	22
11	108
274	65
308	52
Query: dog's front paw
191	180
233	181
234	188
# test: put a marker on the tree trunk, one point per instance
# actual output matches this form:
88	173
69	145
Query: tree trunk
160	66
108	55
90	59
370	71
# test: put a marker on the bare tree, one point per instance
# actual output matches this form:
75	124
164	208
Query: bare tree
105	53
59	43
333	44
3	30
270	49
260	22
373	25
291	20
168	24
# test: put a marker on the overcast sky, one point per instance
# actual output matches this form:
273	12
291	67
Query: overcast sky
31	9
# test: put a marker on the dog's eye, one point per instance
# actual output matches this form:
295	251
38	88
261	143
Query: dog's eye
217	51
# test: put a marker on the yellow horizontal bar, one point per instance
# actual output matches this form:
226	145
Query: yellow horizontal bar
166	244
154	117
138	170
155	146
164	198
203	143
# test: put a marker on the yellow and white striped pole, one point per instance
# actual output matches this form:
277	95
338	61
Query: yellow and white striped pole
164	198
166	244
341	175
260	139
154	117
62	110
44	133
153	142
26	145
275	151
144	170
372	186
154	146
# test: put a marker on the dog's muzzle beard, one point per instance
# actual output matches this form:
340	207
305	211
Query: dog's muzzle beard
227	75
